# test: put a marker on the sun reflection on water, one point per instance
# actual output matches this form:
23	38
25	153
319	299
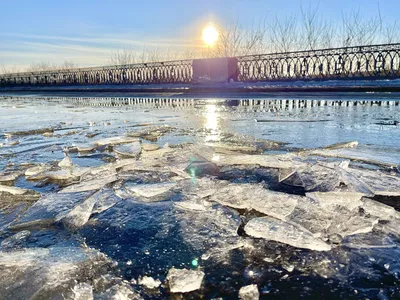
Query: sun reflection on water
212	117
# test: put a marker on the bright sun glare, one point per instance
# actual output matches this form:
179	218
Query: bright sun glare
210	35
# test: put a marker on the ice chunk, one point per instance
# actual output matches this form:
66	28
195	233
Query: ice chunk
287	233
190	205
368	241
129	150
61	177
382	211
66	162
81	148
152	192
254	196
150	147
80	214
157	154
232	148
94	184
367	158
149	282
152	133
350	200
184	280
267	161
47	273
106	198
316	177
201	187
326	214
249	292
116	140
379	183
351	223
49	208
392	227
9	178
311	215
11	194
119	292
36	170
351	144
213	230
200	168
15	240
28	132
83	291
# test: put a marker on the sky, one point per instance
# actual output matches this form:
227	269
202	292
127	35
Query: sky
87	31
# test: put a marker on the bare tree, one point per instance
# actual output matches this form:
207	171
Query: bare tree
68	65
316	32
123	57
358	30
9	69
235	40
41	66
390	33
48	66
283	34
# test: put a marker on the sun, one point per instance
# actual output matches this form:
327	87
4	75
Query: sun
210	35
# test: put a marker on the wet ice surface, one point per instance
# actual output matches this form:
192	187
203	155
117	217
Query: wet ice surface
143	198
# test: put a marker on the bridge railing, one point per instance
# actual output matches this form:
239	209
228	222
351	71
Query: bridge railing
349	62
377	61
160	72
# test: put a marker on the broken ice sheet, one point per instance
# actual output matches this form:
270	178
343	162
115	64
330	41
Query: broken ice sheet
129	150
184	280
378	182
350	200
380	210
16	240
249	292
106	198
149	282
94	184
152	192
284	232
368	240
96	203
212	230
46	273
327	214
80	214
10	194
348	223
48	209
316	177
61	177
150	147
115	140
254	196
120	291
368	157
8	178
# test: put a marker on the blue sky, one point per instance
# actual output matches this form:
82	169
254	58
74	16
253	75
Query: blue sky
87	31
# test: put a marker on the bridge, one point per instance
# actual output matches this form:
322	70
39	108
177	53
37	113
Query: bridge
359	62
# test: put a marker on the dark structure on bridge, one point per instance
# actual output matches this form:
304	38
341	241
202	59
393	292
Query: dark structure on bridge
361	62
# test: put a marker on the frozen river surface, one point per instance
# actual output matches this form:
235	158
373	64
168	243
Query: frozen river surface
199	198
